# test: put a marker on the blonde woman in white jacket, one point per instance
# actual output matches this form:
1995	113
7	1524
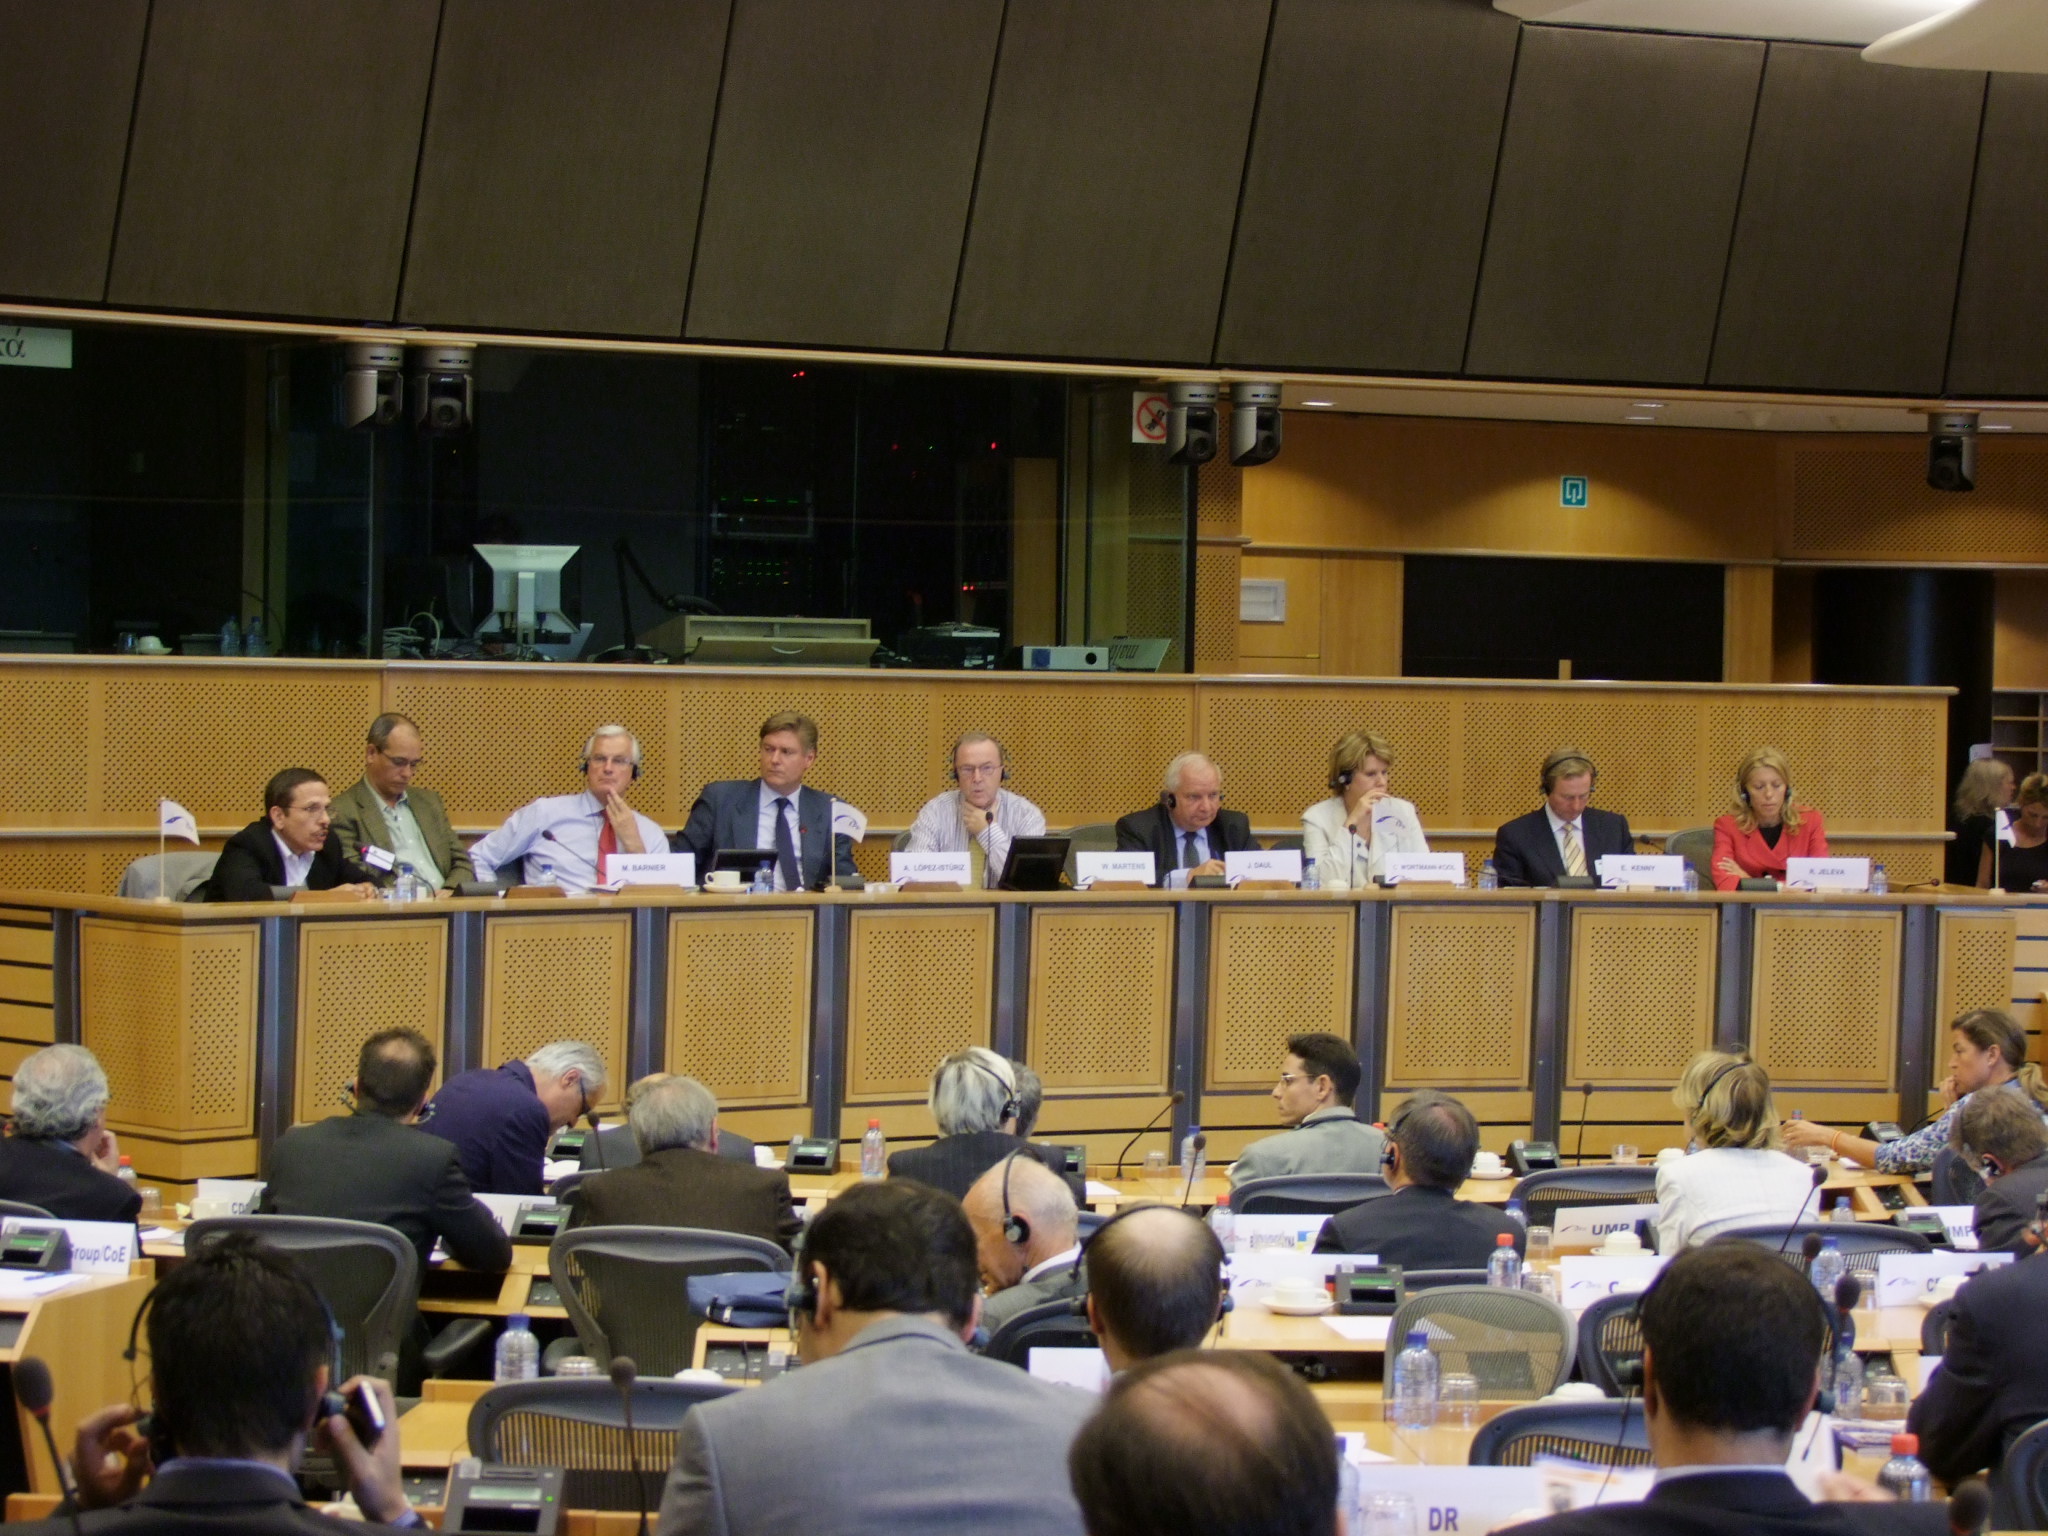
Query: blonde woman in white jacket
1350	834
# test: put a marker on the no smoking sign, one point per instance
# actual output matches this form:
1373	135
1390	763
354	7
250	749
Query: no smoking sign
1148	417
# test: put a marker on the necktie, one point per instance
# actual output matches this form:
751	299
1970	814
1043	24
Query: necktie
785	847
1187	851
607	845
977	863
1574	855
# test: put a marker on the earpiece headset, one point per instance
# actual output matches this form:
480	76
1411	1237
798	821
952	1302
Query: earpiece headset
1169	799
584	766
1339	780
1714	1081
1011	1108
1566	755
1079	1305
1015	1228
953	760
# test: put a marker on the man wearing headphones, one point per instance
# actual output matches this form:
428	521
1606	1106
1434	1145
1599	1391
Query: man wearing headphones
565	839
980	816
1026	1238
2004	1139
1188	831
1422	1224
973	1100
1565	835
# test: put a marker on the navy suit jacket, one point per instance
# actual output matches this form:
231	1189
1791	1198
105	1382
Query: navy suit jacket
499	1126
1525	849
63	1181
1741	1504
1993	1382
728	815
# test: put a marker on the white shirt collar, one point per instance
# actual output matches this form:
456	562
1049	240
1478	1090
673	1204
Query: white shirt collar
1057	1262
300	863
769	795
1558	823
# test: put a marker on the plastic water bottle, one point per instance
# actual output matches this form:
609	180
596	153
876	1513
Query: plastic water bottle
1880	885
1223	1222
518	1351
1827	1269
1504	1265
1489	877
1194	1160
406	887
764	880
126	1172
874	1152
1518	1214
1691	879
1308	875
1840	1210
1849	1387
1904	1476
1415	1383
230	638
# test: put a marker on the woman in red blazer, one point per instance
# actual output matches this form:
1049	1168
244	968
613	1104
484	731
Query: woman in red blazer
1765	828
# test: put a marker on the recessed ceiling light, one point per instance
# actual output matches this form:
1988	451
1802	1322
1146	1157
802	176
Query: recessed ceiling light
1318	402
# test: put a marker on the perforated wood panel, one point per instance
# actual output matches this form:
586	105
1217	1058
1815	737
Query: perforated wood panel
1273	745
1857	501
36	794
1274	971
1217	568
356	978
918	987
1976	951
1642	993
1101	1005
1824	999
1460	1006
739	1004
557	978
1644	743
171	1015
1831	742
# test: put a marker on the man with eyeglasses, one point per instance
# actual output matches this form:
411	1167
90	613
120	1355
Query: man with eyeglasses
385	821
1319	1077
1188	832
979	817
567	840
500	1119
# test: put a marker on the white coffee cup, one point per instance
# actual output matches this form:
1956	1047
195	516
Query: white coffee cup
1487	1165
725	880
1618	1243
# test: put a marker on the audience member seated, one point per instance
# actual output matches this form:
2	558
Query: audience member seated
2002	1137
777	810
1737	1175
680	1180
500	1119
1187	832
1987	1049
613	1146
1564	835
565	840
1982	794
974	1100
1422	1224
1026	1238
979	817
1030	1098
891	1425
377	1165
294	845
2021	863
1319	1077
392	818
1228	1443
1732	1341
1753	841
61	1156
239	1352
1348	836
1155	1283
1992	1384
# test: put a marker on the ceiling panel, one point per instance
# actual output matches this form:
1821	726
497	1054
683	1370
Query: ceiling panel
2001	336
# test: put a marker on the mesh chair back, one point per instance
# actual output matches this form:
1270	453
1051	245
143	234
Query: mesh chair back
1610	1336
624	1288
580	1424
23	1208
1306	1194
1049	1325
1431	1279
1860	1243
1695	845
564	1189
1091	837
1953	1181
1515	1344
369	1276
1602	1434
1550	1190
2019	1489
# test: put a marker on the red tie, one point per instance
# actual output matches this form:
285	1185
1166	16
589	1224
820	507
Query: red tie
607	845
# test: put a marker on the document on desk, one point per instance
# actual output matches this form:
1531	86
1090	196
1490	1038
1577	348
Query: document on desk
1361	1330
1096	1190
507	1207
22	1285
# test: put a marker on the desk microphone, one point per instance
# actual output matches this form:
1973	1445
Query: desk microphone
591	1118
624	1374
1969	1507
1810	1244
1177	1098
1200	1144
35	1391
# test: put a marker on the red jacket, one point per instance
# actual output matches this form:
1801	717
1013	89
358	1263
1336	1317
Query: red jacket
1758	858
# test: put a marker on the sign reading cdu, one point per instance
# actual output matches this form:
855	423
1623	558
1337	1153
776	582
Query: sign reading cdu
1573	491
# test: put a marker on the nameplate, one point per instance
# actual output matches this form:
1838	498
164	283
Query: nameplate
1653	872
506	1208
1296	1234
1433	868
1091	867
1274	864
1961	1224
848	821
623	869
1907	1279
1585	1280
1588	1225
97	1247
1087	1369
1287	1267
956	868
379	858
1828	874
227	1197
1454	1500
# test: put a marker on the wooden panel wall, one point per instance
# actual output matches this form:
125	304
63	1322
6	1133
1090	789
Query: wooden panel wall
27	985
402	964
558	978
739	1009
1850	498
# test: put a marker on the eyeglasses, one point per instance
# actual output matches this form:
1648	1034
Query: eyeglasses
981	770
401	762
1288	1078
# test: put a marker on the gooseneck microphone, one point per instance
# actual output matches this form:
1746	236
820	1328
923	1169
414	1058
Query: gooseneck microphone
1969	1507
596	1136
35	1390
624	1374
1177	1098
1200	1143
1809	1244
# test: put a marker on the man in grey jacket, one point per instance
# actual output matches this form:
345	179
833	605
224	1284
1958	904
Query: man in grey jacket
1318	1080
1027	1233
891	1427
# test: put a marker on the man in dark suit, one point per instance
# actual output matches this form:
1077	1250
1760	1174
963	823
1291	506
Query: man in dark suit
376	1165
294	845
613	1146
1564	835
680	1180
239	1356
1155	1283
1422	1224
1188	831
1026	1238
1732	1353
974	1100
2002	1137
777	810
1992	1385
61	1156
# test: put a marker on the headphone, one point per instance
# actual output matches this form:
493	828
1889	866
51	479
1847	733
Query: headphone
1340	780
584	766
1015	1228
1011	1108
1566	755
1714	1081
953	760
1079	1305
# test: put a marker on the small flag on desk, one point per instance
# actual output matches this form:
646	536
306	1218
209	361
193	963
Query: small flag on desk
2005	829
848	821
173	820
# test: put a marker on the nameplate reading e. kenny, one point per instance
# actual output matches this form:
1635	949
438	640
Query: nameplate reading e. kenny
1658	872
1576	1225
1828	874
943	868
1274	864
1434	868
1907	1279
1583	1280
1091	867
651	869
97	1247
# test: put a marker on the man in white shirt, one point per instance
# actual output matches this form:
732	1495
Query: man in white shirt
1026	1238
777	811
565	839
980	817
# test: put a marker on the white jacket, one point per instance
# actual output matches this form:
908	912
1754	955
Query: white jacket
1343	861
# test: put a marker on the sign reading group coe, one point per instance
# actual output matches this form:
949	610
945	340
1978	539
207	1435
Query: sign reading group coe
28	346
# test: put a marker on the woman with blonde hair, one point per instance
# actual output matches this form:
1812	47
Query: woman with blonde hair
1982	794
1350	834
1753	841
1737	1175
2022	863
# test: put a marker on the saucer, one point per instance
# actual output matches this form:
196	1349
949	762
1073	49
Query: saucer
1297	1303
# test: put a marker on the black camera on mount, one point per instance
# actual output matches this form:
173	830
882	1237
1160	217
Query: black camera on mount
443	388
1254	423
1952	450
1190	423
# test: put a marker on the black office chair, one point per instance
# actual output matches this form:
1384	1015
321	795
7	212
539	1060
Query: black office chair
1600	1434
1049	1325
579	1423
2019	1488
624	1292
1610	1337
23	1208
1550	1190
1306	1194
1516	1344
1860	1243
564	1189
369	1275
1086	1222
